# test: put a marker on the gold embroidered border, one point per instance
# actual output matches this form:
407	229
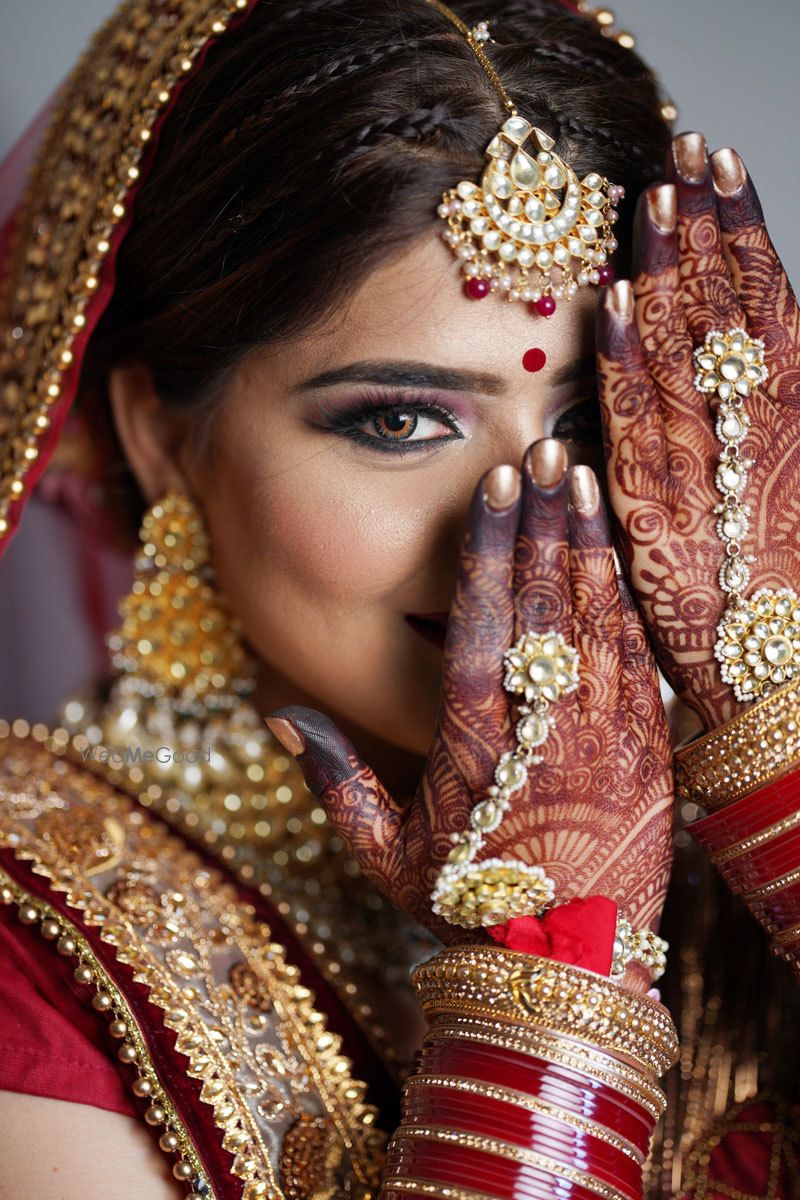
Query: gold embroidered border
341	1094
77	197
109	1000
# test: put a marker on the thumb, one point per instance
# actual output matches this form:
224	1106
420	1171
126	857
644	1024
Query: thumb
357	805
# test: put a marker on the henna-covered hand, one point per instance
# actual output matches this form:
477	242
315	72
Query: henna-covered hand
597	812
703	261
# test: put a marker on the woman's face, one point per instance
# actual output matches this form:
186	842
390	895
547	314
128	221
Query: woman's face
341	469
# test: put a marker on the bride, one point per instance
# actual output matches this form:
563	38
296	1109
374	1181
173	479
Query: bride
301	299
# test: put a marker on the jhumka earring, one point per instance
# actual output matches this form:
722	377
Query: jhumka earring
177	715
531	229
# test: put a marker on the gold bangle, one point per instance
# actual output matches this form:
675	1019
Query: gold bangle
507	1095
757	747
628	1080
542	994
438	1191
510	1152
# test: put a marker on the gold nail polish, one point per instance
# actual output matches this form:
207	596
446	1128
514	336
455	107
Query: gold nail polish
285	732
501	488
691	156
584	494
547	462
728	171
662	205
619	298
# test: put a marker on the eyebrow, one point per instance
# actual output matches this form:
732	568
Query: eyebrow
422	374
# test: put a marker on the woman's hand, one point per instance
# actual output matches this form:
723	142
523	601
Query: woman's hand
703	262
596	814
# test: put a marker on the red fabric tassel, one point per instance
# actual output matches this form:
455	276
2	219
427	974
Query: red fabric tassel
580	932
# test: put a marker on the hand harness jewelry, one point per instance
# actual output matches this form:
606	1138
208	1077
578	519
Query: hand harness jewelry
758	645
531	229
541	668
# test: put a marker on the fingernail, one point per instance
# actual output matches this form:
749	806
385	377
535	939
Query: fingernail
729	172
691	156
662	206
547	462
287	734
584	494
501	488
619	299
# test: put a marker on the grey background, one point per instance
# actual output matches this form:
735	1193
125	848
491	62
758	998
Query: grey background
731	67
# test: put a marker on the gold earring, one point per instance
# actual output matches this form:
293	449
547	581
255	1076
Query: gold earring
177	726
177	633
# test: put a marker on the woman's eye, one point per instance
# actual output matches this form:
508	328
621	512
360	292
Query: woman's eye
580	423
396	424
400	426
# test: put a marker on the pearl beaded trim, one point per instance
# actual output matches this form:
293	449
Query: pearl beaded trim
541	668
108	1001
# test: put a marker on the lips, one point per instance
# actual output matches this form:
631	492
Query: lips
431	626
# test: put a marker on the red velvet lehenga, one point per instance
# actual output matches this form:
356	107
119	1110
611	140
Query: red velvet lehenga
243	990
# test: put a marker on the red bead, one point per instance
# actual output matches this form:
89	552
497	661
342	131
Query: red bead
533	360
606	276
546	306
476	289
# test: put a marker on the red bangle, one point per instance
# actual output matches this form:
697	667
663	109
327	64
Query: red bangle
462	1166
579	1095
778	911
748	815
519	1127
762	864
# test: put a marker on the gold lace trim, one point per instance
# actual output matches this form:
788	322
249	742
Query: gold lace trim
204	956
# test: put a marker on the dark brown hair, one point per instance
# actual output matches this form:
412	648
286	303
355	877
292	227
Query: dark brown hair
317	140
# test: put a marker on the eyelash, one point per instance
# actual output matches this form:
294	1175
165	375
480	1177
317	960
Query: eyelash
579	423
346	424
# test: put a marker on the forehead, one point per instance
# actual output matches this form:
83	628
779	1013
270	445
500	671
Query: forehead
415	307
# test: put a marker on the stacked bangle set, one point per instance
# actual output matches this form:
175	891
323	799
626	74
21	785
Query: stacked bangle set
547	1074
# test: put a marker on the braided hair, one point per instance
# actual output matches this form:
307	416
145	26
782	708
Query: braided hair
318	139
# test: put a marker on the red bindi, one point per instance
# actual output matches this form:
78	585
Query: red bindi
534	360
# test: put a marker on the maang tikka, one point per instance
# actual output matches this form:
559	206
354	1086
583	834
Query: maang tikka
531	229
